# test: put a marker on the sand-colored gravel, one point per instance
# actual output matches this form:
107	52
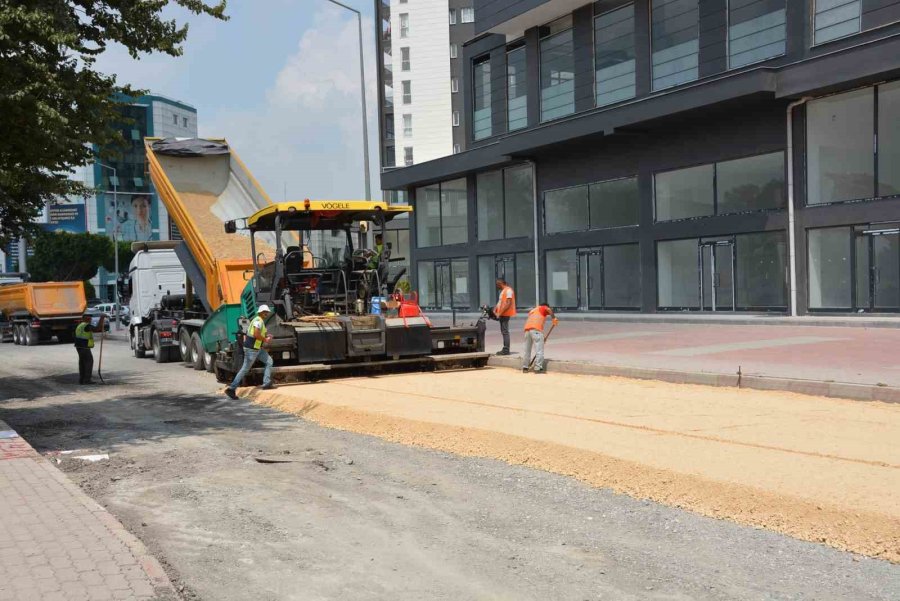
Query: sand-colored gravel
819	469
212	229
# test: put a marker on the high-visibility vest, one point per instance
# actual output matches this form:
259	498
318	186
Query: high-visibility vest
511	311
535	320
259	325
81	333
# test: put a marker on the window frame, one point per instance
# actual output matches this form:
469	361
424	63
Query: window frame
483	59
594	17
715	189
404	27
587	186
653	88
454	51
452	16
728	38
541	40
440	195
467	11
455	119
812	26
454	85
407	125
503	171
408	159
406	91
520	47
405	62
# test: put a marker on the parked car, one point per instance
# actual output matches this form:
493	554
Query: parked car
110	309
95	314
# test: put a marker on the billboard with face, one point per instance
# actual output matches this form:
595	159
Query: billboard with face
134	219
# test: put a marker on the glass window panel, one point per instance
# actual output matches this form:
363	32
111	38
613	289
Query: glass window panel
836	19
615	203
622	276
562	276
886	254
889	139
407	125
524	285
675	33
481	122
684	193
428	216
486	281
557	76
751	184
863	272
427	288
489	200
459	274
519	206
614	56
840	138
454	213
516	90
404	59
756	30
761	260
829	268
677	273
566	210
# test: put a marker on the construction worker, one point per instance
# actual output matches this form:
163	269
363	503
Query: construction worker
253	349
84	342
534	335
379	250
505	309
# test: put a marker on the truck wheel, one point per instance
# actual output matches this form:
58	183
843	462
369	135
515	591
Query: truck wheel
31	337
159	355
15	331
184	346
139	353
209	362
197	351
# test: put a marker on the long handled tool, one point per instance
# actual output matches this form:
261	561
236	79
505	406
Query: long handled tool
547	337
100	360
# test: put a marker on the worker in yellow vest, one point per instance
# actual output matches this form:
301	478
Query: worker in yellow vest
534	336
84	342
504	311
253	350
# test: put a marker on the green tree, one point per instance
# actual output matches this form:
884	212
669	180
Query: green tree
53	103
64	257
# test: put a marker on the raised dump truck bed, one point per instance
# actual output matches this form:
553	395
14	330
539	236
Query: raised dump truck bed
36	312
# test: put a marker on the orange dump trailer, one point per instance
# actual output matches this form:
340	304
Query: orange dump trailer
36	312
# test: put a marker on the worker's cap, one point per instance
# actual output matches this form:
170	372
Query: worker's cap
264	309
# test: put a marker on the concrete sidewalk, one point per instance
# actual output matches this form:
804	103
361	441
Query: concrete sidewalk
58	544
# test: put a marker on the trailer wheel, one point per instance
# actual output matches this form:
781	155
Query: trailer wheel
197	351
159	355
31	337
184	345
15	331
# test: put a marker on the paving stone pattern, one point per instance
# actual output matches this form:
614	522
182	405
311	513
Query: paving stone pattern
57	544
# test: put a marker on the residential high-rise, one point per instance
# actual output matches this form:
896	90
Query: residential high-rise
669	155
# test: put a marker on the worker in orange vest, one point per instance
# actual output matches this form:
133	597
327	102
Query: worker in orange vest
505	309
534	335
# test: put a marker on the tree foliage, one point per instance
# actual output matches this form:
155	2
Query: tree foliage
64	257
54	104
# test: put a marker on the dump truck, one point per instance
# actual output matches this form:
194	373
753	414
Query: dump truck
240	249
159	311
31	313
202	183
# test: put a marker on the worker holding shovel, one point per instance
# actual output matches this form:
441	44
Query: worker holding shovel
534	335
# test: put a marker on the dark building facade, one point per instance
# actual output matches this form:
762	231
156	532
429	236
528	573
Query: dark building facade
670	155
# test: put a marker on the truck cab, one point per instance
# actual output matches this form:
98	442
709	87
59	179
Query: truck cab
156	280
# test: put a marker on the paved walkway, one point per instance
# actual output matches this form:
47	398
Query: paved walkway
858	355
58	544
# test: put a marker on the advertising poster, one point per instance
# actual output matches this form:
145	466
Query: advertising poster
135	218
66	218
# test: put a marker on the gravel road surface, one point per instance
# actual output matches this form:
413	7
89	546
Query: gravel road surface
243	502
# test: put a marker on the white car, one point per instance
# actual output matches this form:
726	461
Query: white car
110	309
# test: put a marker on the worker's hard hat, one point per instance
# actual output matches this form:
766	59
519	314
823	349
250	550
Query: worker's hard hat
264	309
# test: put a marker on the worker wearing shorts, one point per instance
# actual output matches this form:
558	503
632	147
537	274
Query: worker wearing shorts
253	350
534	336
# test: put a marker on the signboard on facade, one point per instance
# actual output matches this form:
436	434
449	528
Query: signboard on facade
66	218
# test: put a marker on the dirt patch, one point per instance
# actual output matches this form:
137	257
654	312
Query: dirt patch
820	470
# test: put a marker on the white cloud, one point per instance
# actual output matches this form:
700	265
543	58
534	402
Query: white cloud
306	131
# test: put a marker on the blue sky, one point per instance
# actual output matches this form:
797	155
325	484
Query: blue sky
280	81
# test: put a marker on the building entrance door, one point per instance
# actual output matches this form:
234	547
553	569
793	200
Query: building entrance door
878	268
590	278
715	259
505	269
443	291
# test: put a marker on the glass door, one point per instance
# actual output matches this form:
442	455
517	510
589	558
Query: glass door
590	278
443	286
716	264
877	265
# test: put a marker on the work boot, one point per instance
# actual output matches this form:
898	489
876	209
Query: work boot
542	370
502	352
268	386
229	392
524	370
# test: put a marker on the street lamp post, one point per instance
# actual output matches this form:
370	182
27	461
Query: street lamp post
115	222
362	90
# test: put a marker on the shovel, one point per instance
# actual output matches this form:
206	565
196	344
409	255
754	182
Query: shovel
100	359
546	338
